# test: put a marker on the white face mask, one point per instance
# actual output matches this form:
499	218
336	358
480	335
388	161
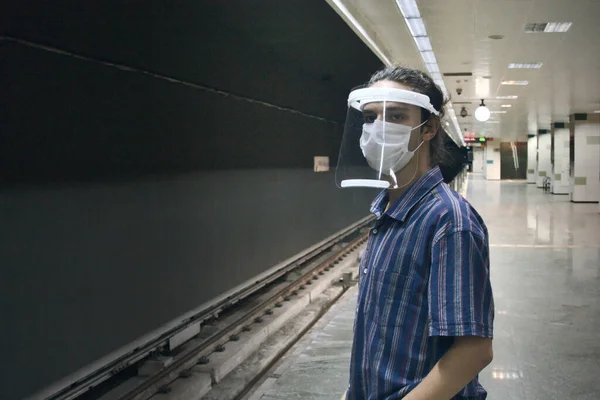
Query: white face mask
385	146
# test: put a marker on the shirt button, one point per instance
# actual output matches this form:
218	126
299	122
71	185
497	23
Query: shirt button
375	231
365	270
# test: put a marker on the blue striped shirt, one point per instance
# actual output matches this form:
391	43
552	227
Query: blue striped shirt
424	279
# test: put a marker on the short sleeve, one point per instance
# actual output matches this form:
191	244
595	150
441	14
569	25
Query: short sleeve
460	293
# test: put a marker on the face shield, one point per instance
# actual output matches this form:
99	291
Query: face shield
381	135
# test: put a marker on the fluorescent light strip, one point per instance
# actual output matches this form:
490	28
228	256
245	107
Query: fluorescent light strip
429	57
416	27
525	65
498	112
409	8
354	22
515	83
423	43
507	97
412	16
433	68
506	105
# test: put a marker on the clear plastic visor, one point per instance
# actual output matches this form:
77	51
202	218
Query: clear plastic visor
380	135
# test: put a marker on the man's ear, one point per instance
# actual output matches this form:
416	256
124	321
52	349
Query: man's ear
430	129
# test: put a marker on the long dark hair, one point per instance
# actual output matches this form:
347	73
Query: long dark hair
444	152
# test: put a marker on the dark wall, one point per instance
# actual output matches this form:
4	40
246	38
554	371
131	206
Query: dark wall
127	199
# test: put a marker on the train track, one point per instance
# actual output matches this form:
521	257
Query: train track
219	340
306	272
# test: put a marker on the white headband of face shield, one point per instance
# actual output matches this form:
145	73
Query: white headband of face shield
360	97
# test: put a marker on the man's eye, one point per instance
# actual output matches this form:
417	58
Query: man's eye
396	117
369	119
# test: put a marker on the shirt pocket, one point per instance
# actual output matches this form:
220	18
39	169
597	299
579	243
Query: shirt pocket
400	298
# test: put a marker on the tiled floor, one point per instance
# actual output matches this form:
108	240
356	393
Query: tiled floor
545	254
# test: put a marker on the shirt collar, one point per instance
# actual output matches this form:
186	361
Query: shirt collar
409	199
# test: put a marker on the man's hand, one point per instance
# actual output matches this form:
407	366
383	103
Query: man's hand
465	359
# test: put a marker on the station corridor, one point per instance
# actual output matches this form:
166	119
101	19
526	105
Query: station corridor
545	258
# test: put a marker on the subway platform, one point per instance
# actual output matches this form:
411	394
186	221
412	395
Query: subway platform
545	260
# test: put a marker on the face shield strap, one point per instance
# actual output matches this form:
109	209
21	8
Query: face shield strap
360	97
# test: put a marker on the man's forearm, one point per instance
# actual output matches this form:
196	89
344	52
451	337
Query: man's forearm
465	359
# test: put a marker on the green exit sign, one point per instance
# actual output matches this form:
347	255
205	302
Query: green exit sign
482	139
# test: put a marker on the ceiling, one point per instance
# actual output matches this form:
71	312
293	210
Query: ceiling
568	81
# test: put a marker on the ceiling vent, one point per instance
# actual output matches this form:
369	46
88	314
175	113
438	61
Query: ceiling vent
547	27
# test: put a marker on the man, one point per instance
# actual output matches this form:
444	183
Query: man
424	319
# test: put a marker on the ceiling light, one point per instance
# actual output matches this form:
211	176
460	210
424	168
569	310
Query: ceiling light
482	113
423	43
416	26
525	65
506	105
429	57
496	37
507	97
464	112
518	83
547	27
409	8
498	112
597	112
492	122
433	68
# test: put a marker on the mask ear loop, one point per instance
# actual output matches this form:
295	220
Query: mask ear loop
393	175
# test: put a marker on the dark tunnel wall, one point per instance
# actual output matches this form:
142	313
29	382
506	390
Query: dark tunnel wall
127	200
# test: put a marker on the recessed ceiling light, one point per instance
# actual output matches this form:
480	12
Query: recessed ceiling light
416	26
597	112
506	105
429	57
518	83
409	9
492	122
423	43
496	37
487	77
499	112
507	97
525	65
547	27
433	68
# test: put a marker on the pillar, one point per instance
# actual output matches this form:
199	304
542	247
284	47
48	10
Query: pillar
531	158
544	167
561	158
586	163
492	160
